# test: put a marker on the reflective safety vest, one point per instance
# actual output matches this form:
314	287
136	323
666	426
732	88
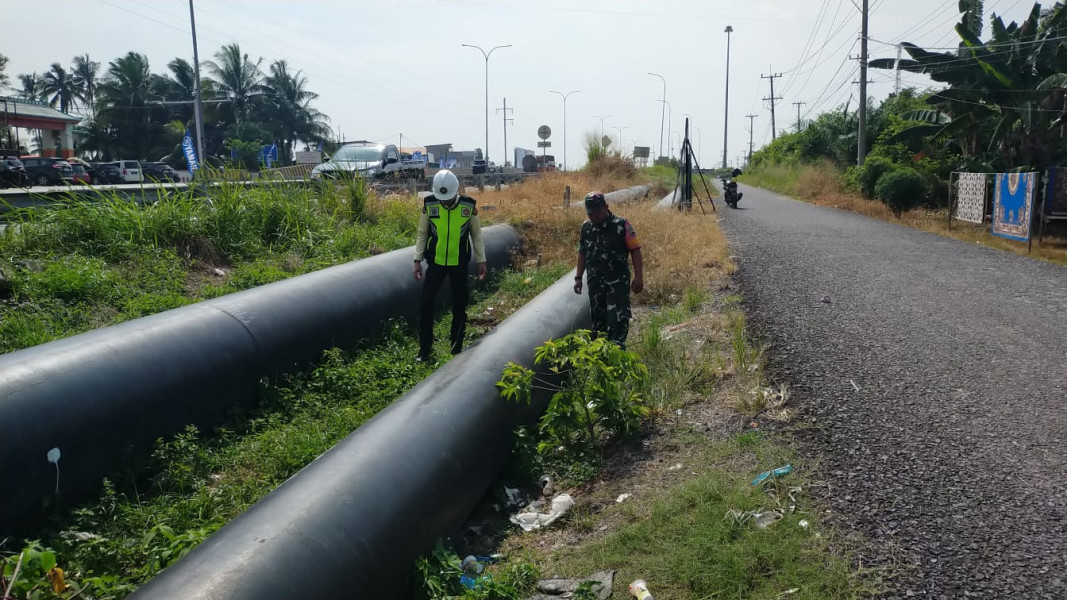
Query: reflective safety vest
449	241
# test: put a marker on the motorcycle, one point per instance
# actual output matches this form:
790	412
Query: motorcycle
729	189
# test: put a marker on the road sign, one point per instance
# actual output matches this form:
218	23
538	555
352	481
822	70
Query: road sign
605	141
544	144
641	152
544	132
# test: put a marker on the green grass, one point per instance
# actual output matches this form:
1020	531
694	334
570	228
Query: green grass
777	178
682	544
152	513
83	265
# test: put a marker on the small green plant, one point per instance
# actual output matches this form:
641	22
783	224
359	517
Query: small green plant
901	190
32	573
438	574
597	391
866	177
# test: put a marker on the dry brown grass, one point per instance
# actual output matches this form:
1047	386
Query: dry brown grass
679	250
821	185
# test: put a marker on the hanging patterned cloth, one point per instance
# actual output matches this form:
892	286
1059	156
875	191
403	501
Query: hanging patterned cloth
970	196
1013	204
1056	201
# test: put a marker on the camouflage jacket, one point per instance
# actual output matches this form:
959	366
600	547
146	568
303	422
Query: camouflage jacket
607	248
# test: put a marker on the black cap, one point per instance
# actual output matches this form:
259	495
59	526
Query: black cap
593	201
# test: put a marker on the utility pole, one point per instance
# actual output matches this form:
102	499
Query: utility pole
506	121
198	108
896	67
861	152
751	127
726	117
798	105
564	96
773	99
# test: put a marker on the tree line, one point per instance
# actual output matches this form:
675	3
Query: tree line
132	113
1002	107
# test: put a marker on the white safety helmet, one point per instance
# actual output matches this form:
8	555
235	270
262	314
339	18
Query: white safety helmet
445	185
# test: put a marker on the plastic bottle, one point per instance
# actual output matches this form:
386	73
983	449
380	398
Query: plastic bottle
639	590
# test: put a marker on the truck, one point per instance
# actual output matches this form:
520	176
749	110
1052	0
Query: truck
371	161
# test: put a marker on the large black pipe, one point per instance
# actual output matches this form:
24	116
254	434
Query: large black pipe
101	396
353	521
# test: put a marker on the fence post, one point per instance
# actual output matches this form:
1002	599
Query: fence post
567	197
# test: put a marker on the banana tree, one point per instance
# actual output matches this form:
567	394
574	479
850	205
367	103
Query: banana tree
1005	97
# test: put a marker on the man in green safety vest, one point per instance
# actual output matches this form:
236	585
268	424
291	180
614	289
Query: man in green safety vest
607	244
449	233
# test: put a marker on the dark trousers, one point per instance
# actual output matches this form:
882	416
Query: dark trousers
434	279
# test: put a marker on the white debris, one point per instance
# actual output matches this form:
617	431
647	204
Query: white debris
530	521
623	498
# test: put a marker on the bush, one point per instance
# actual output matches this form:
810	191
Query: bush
901	189
865	178
612	164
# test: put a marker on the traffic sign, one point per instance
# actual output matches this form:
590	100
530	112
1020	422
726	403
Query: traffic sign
544	144
544	132
605	141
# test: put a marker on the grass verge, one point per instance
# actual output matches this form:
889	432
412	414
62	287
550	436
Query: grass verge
822	185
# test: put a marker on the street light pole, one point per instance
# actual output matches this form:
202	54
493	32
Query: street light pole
670	112
661	111
486	55
198	108
726	118
620	130
601	123
564	96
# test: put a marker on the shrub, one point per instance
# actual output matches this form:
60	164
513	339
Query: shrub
900	189
612	164
866	177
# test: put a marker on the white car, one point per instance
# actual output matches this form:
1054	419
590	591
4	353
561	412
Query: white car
130	169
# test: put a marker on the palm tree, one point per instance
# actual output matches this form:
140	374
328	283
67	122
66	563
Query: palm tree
287	112
124	94
84	71
3	75
31	87
57	87
237	78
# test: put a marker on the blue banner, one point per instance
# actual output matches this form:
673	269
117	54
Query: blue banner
269	154
190	152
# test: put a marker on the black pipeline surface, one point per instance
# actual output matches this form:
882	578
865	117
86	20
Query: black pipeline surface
354	520
96	399
622	196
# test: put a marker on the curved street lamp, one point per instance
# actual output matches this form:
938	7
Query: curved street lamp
661	110
564	96
670	112
486	55
601	122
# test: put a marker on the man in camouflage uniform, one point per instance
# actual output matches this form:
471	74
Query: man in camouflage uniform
607	242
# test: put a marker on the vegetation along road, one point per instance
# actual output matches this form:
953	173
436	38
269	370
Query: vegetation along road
930	378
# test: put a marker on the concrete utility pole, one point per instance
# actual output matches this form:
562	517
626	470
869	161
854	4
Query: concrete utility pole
773	99
726	117
798	105
662	111
751	123
861	138
896	67
564	96
506	121
198	108
486	55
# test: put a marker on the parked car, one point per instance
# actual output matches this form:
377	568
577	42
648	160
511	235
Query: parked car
367	160
106	174
13	173
158	172
81	175
44	170
130	169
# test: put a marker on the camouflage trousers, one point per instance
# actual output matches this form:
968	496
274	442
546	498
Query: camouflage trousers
609	305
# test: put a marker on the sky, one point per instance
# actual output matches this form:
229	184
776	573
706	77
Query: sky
398	67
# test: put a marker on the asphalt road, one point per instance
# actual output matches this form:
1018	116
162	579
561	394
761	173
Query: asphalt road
930	377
